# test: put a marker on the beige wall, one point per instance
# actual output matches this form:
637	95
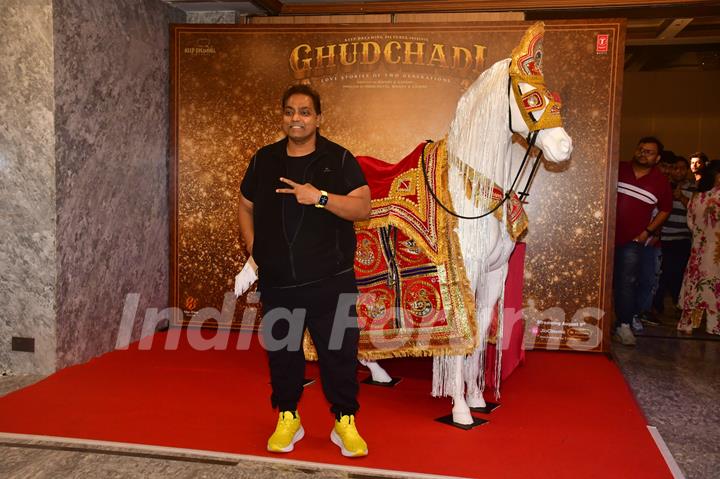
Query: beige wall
681	108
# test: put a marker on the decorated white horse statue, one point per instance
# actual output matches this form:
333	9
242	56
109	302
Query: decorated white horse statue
509	97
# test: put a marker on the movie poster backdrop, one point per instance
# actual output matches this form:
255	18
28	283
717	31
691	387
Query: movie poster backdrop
386	88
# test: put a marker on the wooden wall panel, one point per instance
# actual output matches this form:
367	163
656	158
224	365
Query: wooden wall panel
390	18
481	6
677	107
459	17
309	19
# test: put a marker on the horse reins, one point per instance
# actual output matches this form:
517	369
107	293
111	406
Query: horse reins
532	136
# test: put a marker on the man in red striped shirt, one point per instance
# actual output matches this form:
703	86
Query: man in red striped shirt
644	202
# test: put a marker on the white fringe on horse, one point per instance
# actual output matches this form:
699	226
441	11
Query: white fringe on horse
479	138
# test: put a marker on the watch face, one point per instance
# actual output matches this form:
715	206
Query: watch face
323	200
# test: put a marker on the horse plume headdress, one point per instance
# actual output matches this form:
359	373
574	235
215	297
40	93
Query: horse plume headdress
539	106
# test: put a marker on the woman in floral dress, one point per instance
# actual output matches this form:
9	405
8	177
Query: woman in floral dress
700	292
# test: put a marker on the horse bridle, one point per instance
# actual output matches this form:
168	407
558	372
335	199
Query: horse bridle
532	136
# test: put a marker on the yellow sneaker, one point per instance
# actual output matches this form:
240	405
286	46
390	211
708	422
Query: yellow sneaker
346	436
287	432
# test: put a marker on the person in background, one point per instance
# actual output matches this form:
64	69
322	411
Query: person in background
651	260
687	176
675	239
648	280
698	160
641	190
666	163
700	294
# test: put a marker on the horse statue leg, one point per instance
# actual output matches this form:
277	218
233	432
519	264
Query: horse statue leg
495	278
460	411
378	374
491	284
469	371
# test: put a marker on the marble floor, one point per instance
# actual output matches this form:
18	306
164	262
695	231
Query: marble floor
675	380
33	459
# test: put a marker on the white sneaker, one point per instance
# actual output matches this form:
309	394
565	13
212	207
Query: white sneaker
637	324
624	335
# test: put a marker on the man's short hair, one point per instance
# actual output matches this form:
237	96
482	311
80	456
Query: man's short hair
652	139
667	156
703	157
682	159
301	89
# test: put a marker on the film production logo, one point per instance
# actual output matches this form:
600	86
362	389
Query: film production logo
392	52
200	47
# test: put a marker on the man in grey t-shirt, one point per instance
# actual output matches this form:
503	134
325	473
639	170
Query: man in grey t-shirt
675	236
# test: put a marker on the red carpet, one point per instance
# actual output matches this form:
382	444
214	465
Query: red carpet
562	415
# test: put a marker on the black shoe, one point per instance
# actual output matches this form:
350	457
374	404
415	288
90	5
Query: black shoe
649	318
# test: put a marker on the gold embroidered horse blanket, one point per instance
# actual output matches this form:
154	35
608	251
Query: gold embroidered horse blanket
414	299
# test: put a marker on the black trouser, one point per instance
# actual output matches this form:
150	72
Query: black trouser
675	255
338	366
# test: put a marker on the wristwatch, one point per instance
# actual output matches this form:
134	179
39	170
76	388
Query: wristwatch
323	199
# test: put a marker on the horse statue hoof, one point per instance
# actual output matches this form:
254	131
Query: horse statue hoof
461	415
476	401
378	374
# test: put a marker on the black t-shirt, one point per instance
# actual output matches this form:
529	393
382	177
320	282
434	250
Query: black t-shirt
288	235
295	168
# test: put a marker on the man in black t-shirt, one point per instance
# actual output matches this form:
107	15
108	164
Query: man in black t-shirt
299	199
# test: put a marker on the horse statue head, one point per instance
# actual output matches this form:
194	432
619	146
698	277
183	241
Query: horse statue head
509	97
536	108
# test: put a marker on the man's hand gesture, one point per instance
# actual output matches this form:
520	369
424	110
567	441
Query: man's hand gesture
305	194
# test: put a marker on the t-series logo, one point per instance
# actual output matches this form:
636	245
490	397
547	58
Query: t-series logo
312	61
